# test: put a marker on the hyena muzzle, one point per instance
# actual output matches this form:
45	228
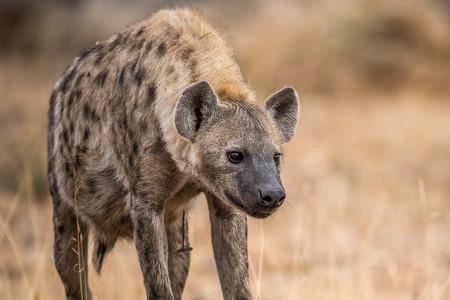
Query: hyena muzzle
142	123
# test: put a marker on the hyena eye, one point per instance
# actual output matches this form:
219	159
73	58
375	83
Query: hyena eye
235	157
277	158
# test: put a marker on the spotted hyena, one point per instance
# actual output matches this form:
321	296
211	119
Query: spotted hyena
143	122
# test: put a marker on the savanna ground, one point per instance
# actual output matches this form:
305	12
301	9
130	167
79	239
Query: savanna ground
367	174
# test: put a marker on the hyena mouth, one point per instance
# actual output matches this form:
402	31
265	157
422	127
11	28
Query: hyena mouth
237	202
253	213
262	215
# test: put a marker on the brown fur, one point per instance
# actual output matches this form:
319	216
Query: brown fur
136	132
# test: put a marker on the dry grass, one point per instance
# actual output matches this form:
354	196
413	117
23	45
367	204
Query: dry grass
367	175
367	216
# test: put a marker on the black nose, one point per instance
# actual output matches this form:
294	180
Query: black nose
271	197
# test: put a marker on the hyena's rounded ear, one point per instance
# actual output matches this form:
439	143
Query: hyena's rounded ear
195	106
283	106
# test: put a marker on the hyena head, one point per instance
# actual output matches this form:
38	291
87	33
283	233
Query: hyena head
237	145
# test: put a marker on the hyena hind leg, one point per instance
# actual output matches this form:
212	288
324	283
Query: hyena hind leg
70	251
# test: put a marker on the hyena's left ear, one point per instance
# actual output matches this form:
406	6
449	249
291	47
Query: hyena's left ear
284	106
195	106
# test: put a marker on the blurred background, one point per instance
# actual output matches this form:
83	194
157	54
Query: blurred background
367	174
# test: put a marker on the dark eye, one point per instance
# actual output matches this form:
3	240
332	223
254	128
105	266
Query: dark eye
235	157
277	158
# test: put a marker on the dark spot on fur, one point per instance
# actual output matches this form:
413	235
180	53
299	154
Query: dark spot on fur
148	48
162	49
135	148
125	37
52	188
125	123
193	64
121	77
140	32
51	122
171	74
60	229
124	219
65	136
79	78
86	134
138	45
131	161
139	76
94	116
71	127
192	68
99	59
100	54
92	185
77	161
116	42
74	96
87	52
151	94
82	149
52	108
130	135
86	111
100	78
89	113
176	36
67	80
186	53
133	66
67	167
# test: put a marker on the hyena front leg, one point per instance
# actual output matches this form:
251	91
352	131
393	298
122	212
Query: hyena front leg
150	191
71	267
151	246
179	253
177	229
229	238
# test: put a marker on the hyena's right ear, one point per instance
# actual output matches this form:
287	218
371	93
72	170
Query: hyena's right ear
283	106
195	106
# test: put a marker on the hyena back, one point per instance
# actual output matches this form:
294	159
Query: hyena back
139	125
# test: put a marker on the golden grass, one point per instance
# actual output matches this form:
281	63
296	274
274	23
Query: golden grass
367	216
